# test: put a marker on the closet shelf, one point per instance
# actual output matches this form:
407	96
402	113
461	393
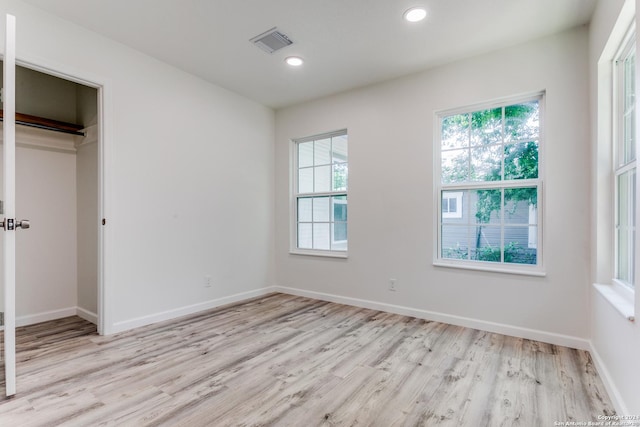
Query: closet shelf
48	124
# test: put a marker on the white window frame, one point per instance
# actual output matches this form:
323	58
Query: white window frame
619	168
296	195
621	297
499	267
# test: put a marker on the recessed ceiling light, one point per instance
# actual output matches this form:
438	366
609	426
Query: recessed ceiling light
415	14
294	61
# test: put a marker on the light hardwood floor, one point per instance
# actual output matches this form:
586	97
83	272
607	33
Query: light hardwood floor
292	361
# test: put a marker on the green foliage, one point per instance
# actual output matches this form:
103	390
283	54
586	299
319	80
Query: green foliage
520	162
340	173
513	254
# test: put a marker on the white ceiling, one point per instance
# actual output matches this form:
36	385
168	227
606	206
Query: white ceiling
345	43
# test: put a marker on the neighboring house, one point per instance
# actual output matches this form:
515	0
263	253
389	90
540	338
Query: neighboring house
467	237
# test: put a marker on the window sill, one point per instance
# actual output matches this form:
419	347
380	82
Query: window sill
326	254
618	298
523	271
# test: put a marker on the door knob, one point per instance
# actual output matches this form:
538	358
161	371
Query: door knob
11	224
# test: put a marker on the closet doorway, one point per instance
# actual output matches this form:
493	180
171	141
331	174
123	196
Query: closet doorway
58	190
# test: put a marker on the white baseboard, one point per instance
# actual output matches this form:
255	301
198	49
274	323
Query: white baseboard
499	328
186	310
45	316
532	334
87	315
607	380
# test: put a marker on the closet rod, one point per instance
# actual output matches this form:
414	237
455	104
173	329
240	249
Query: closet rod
46	124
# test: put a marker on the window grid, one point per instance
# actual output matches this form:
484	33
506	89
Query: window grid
501	138
321	171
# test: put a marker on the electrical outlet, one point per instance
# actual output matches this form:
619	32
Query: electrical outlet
207	281
392	285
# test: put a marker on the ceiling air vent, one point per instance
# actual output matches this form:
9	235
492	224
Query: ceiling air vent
271	40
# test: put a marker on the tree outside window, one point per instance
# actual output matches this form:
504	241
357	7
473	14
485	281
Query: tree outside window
492	157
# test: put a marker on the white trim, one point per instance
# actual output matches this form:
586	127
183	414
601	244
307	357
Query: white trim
607	380
295	195
489	266
87	315
439	188
9	196
45	316
499	328
318	252
105	112
137	322
618	298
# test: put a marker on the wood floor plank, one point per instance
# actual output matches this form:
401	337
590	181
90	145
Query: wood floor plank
284	360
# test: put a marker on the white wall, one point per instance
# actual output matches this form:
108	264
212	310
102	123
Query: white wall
189	175
45	253
391	212
615	340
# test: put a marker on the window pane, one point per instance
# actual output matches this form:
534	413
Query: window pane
455	166
322	152
625	233
485	244
522	121
455	131
339	149
486	163
624	201
485	206
321	209
486	127
322	179
518	203
453	203
305	236
630	79
340	174
629	108
533	238
305	154
455	242
629	137
521	160
304	209
305	180
624	264
339	208
339	234
516	246
321	236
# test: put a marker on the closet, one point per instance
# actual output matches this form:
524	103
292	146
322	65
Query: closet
57	190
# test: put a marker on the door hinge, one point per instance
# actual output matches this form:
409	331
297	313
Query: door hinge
104	221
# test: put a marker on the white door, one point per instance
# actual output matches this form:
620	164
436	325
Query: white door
9	222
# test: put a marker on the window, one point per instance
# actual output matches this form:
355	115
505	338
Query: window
320	202
624	128
489	186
